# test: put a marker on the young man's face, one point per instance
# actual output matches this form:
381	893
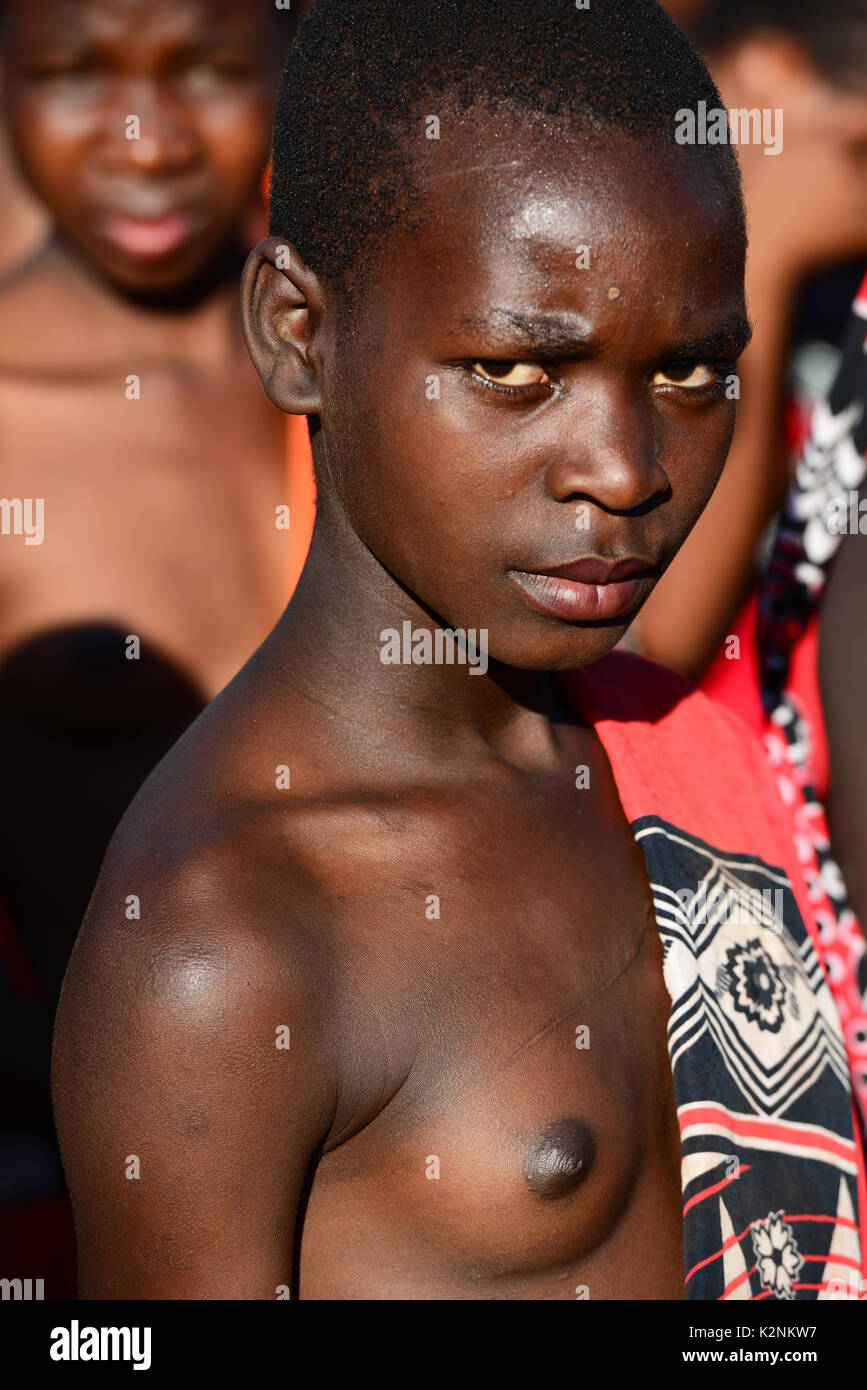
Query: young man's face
150	201
600	280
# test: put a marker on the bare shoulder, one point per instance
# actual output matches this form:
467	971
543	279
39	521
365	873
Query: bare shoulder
196	1065
225	924
200	917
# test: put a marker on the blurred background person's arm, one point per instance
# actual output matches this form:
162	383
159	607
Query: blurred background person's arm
807	209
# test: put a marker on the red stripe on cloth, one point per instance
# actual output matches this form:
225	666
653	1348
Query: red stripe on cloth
766	1293
766	1129
786	1216
717	1187
736	1283
732	1240
838	1220
834	1259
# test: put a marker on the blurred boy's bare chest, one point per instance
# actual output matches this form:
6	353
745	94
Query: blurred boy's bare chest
147	492
113	452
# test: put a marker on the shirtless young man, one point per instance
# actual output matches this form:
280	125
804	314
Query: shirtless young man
127	403
129	409
370	1002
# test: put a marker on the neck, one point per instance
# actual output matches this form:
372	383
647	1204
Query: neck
197	322
331	632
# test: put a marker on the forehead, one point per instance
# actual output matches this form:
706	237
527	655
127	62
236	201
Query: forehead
504	213
143	22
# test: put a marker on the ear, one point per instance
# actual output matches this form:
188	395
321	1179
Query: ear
282	304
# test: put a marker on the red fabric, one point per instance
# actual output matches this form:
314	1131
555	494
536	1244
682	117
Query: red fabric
683	757
680	756
735	683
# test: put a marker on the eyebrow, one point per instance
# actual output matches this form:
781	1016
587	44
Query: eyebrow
554	332
732	335
563	334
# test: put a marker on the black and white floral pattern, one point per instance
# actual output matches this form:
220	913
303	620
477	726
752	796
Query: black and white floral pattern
778	1258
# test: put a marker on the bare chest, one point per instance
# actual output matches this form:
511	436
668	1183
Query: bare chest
533	1141
157	512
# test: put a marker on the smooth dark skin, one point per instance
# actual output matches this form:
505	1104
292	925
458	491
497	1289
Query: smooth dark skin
414	1038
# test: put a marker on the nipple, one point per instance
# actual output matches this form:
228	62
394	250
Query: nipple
560	1158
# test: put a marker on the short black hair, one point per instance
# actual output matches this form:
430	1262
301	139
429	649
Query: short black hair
362	75
834	32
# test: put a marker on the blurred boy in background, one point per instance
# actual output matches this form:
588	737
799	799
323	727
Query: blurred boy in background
142	557
807	209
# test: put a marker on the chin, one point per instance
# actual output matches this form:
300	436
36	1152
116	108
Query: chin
572	648
155	286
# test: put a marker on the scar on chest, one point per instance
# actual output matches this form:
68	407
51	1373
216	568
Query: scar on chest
560	1158
648	921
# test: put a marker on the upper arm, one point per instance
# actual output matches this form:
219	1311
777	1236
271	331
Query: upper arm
186	1131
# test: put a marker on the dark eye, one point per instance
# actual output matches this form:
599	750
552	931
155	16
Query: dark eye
511	373
692	375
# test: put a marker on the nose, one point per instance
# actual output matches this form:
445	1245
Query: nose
147	130
609	453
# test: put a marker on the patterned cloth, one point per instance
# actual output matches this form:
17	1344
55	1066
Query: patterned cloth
771	1161
830	469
